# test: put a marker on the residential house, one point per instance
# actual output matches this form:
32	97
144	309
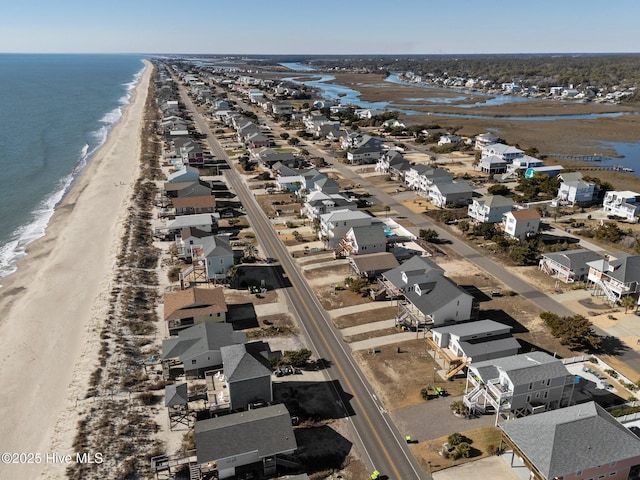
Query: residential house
500	150
580	442
623	204
576	192
372	265
454	193
493	165
428	297
186	174
521	224
334	225
548	170
197	348
518	385
422	177
364	155
449	140
460	345
361	240
268	157
318	203
490	208
282	108
216	255
257	140
185	308
194	205
187	237
186	189
256	436
615	276
569	265
192	154
393	163
247	374
485	139
207	222
321	183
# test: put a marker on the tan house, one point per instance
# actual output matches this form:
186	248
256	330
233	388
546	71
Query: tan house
192	306
194	205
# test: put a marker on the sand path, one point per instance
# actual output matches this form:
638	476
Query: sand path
52	307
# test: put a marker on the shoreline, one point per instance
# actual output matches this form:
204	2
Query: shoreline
54	302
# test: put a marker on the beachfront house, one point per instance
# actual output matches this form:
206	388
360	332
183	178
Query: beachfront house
426	296
518	385
579	442
623	204
215	254
490	208
197	348
185	308
568	266
255	437
521	224
207	222
185	174
194	205
186	189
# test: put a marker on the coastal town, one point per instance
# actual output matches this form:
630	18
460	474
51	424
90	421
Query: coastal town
310	289
324	288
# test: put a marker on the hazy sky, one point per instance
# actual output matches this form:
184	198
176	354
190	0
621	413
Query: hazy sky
316	27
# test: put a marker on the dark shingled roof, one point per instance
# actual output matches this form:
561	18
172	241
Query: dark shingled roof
175	395
267	431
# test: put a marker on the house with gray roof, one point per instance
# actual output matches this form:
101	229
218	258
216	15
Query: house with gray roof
490	208
518	385
569	265
579	442
454	193
393	163
216	255
318	203
185	174
475	341
206	222
427	298
372	265
248	375
198	347
421	178
364	239
615	276
334	225
493	165
365	154
267	157
256	436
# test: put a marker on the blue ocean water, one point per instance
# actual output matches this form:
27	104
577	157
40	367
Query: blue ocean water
56	111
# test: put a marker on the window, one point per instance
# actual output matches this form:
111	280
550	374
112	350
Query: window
193	362
546	394
530	386
528	398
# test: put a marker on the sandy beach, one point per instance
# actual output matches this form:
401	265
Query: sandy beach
53	307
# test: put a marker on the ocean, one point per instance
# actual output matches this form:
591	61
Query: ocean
57	111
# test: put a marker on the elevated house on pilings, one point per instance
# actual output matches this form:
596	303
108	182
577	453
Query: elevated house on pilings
615	276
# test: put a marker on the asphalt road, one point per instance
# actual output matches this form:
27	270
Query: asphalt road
383	445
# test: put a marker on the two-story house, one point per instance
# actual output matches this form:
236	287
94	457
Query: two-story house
580	442
615	276
569	265
334	225
518	385
624	204
426	296
490	208
454	193
521	224
318	203
185	308
362	240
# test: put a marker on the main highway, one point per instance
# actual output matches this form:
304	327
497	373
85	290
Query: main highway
383	446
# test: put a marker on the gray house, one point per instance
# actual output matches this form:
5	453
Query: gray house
251	437
578	442
198	347
570	265
426	296
247	374
519	385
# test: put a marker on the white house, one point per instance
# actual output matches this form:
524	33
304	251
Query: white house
576	191
615	276
625	204
334	225
521	224
362	240
490	208
318	203
454	193
484	140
